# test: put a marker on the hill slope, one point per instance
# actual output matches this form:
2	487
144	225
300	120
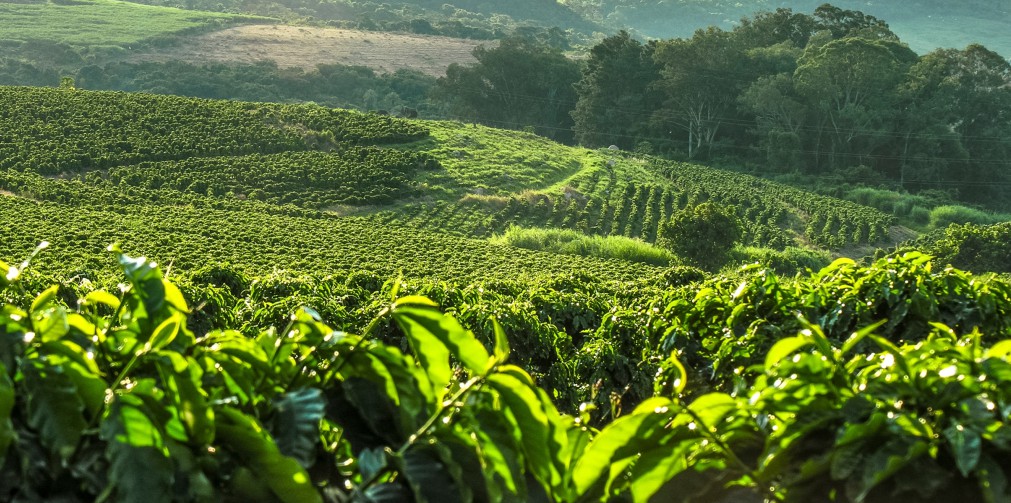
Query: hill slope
168	161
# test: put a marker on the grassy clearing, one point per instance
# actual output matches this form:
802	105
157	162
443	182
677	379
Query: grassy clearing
492	161
570	242
98	23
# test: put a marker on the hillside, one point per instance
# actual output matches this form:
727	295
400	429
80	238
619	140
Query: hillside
94	148
321	316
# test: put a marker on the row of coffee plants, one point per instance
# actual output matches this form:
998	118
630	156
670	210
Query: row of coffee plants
614	201
54	131
259	242
352	175
117	396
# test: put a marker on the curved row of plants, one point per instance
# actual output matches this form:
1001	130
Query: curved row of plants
53	131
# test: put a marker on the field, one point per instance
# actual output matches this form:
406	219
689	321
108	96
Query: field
306	46
321	316
100	23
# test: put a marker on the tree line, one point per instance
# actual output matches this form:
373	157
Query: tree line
835	92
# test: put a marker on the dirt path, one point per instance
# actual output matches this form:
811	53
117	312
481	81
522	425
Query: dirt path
305	47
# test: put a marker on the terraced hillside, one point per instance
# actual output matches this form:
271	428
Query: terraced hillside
298	187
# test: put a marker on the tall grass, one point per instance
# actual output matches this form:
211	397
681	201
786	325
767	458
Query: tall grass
570	242
943	216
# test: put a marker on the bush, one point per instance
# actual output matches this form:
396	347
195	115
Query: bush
702	235
943	216
570	242
788	261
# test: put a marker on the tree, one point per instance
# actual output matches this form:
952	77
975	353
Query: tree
614	95
701	78
843	23
519	83
958	108
851	83
701	235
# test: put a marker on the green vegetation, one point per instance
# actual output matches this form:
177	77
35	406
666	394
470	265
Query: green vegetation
595	367
116	395
570	242
769	94
100	24
704	235
970	246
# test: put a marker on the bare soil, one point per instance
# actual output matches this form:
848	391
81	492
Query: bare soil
305	47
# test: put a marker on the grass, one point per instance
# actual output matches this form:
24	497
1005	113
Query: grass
570	242
99	23
494	161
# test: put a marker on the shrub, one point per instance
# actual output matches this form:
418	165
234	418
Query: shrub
943	216
702	235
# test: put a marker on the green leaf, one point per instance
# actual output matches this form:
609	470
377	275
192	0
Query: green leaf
44	299
501	452
501	343
54	407
146	280
531	423
6	406
713	408
165	333
859	335
426	325
671	378
255	449
883	463
1001	350
784	348
101	297
295	424
993	482
413	300
388	493
182	379
140	470
966	447
432	474
622	440
174	297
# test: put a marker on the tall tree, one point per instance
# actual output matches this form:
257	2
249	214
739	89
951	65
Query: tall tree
961	100
518	84
615	97
701	78
851	83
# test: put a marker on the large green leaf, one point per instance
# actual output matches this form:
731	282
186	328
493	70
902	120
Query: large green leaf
140	470
966	447
181	376
532	423
623	440
433	475
295	424
6	406
426	325
785	347
255	449
54	407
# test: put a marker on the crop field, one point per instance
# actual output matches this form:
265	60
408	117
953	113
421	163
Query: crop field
307	46
100	23
242	340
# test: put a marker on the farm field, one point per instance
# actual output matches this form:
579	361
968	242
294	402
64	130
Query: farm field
101	23
307	46
309	304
